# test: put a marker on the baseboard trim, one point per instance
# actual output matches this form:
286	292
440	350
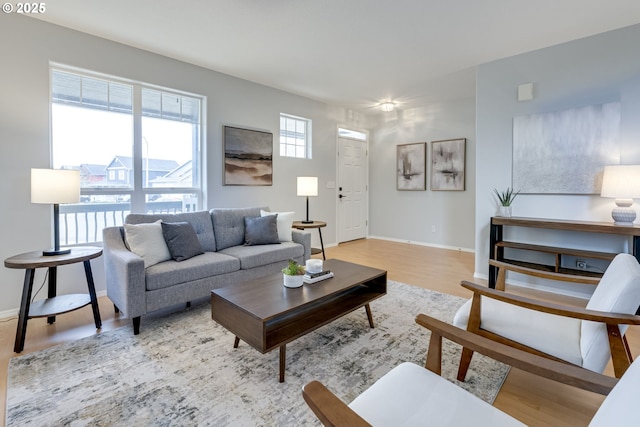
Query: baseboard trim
432	245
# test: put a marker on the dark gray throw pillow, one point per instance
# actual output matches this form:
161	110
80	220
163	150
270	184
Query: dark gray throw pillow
261	230
182	240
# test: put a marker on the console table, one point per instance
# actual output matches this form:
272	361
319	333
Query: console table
53	305
497	244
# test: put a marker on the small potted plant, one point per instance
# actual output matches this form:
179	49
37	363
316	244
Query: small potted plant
505	198
293	274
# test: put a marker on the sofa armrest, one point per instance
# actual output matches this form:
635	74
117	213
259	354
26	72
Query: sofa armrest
303	238
125	275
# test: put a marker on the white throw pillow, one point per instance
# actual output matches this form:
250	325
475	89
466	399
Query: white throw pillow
146	241
284	222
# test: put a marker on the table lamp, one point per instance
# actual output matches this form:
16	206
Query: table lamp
307	186
55	186
622	182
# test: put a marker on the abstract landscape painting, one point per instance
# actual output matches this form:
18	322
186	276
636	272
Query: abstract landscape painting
411	167
448	164
564	152
248	157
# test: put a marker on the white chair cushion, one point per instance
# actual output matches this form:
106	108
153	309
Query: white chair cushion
410	395
621	408
617	292
555	335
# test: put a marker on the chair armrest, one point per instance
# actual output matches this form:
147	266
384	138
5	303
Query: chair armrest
538	365
329	409
553	308
544	274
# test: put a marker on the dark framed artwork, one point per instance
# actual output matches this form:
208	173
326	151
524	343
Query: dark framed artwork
411	167
248	156
448	164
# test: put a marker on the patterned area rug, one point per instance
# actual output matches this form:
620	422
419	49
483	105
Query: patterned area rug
183	370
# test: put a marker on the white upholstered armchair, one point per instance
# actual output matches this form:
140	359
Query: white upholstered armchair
410	395
586	337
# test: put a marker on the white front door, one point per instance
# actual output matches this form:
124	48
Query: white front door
353	203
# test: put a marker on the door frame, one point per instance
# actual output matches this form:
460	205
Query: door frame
338	177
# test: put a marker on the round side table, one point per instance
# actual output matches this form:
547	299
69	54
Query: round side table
54	304
313	224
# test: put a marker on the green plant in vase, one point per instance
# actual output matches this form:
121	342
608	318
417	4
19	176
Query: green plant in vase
293	274
506	198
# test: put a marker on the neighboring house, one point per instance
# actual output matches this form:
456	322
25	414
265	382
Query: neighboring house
120	170
179	177
92	175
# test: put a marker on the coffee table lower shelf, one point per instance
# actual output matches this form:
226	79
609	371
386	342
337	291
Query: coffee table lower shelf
267	316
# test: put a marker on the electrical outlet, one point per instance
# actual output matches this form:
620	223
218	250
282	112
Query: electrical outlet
433	228
581	264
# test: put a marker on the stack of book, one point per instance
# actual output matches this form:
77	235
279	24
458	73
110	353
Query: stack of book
316	277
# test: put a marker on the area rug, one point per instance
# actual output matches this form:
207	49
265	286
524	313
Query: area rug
183	370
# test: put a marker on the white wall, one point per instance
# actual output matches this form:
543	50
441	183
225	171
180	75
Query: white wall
410	215
27	47
585	72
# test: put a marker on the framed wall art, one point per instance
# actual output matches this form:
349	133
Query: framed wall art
565	152
248	157
411	165
448	164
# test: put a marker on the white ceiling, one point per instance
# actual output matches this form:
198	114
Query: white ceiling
353	53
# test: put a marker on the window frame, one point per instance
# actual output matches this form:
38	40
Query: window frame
283	145
138	193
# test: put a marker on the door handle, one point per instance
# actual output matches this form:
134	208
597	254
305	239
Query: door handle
341	196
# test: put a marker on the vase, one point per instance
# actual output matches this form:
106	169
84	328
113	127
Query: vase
292	281
504	211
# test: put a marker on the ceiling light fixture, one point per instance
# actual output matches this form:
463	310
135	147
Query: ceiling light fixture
387	106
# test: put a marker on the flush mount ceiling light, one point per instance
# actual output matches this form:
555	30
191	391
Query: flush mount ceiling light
387	106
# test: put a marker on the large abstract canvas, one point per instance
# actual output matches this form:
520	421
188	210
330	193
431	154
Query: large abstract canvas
565	152
248	157
411	167
448	164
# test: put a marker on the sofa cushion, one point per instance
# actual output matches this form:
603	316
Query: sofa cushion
181	240
228	225
200	220
256	256
261	230
147	241
285	222
171	273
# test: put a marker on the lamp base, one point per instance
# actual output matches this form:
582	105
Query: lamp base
623	214
52	252
306	221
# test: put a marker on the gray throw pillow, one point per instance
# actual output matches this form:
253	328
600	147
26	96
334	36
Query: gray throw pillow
261	230
181	240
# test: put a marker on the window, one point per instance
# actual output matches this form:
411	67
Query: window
295	136
124	167
352	134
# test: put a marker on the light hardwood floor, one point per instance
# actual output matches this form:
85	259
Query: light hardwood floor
534	401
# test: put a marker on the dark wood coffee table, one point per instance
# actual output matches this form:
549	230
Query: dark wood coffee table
266	315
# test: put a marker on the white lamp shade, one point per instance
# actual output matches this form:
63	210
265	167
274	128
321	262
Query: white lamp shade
307	186
55	186
621	182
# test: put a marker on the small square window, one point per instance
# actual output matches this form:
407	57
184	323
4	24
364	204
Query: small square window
295	136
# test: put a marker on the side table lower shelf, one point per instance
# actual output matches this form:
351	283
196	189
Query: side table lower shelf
58	305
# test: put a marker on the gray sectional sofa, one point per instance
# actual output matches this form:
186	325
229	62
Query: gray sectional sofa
224	261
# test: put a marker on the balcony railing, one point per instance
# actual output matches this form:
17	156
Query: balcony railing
83	222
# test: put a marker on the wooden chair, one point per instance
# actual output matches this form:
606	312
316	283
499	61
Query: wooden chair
586	337
410	395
